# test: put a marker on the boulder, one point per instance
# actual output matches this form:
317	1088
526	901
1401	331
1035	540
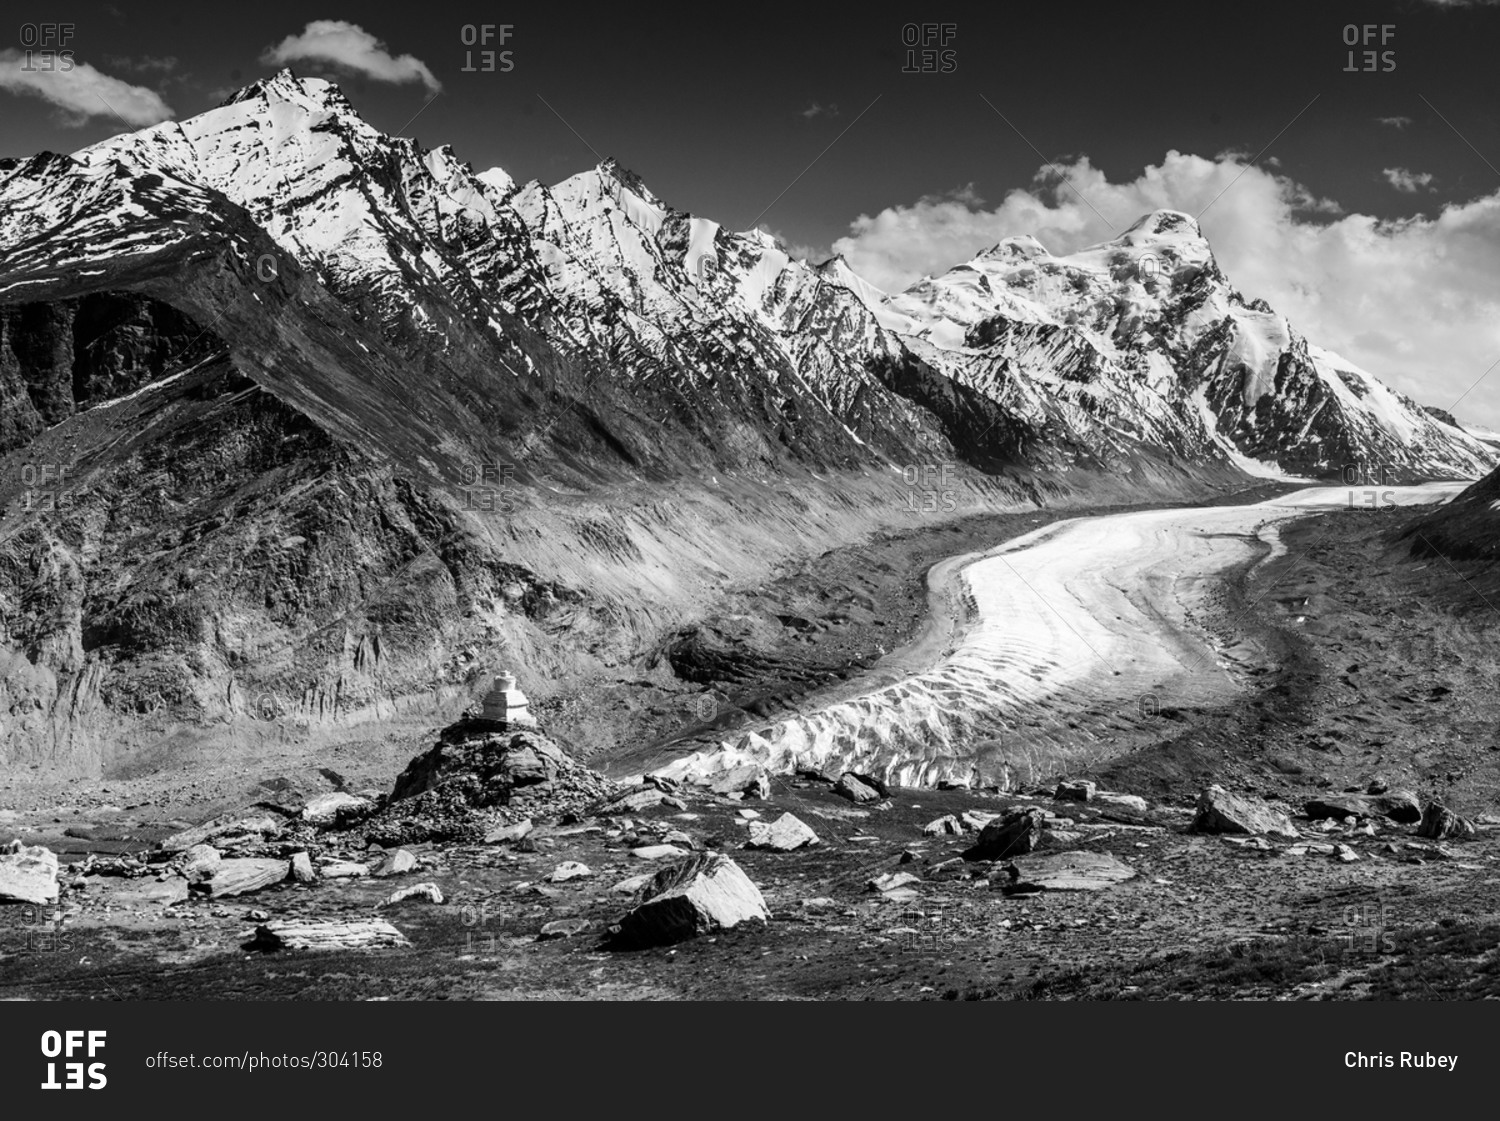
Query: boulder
562	928
977	819
28	874
1400	806
947	825
197	864
227	829
1015	834
704	893
302	869
429	892
1079	791
786	834
240	877
334	808
1222	812
749	780
348	934
890	881
1065	871
1115	800
1339	806
569	870
1344	854
632	800
1441	824
474	766
396	863
856	789
502	834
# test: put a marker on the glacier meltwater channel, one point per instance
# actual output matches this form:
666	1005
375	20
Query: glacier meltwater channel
1064	645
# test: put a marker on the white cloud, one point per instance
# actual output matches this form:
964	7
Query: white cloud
1408	182
1397	123
816	110
1413	300
350	47
82	92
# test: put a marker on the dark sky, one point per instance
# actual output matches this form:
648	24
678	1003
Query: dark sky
706	101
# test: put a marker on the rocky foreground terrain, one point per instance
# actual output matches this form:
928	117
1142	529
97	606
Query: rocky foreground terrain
1332	834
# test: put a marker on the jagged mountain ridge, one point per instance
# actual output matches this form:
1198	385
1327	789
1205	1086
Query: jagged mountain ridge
1079	358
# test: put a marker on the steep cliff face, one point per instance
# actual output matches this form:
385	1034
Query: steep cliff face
57	358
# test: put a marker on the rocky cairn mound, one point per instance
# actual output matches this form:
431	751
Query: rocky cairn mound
451	792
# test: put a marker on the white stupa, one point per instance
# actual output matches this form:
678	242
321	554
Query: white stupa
505	704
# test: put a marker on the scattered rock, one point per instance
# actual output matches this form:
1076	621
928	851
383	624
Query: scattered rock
427	891
1066	871
819	903
226	829
1440	823
748	815
1344	854
707	892
302	868
955	869
354	934
1015	834
1080	791
657	852
678	837
890	881
507	833
343	870
396	863
947	825
242	876
197	864
786	834
749	780
569	870
1222	812
334	808
562	928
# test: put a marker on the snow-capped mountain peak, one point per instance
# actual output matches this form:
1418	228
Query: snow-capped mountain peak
1135	345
